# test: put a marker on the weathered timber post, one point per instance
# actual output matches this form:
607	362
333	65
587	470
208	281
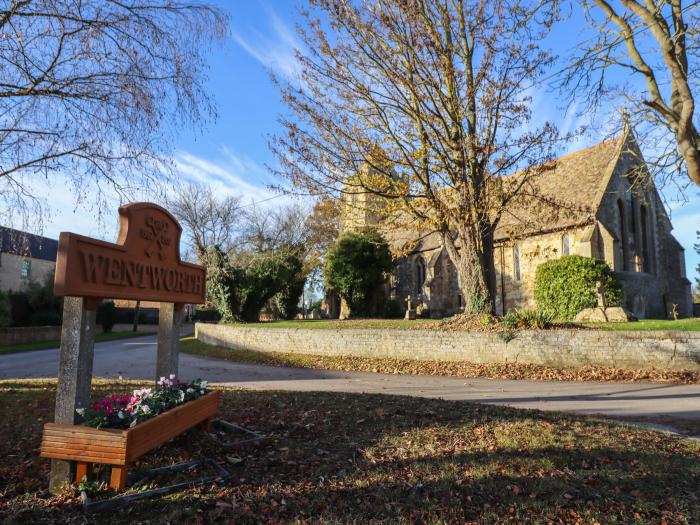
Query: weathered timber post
74	374
169	321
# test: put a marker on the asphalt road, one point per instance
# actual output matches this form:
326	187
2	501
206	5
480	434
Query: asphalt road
135	359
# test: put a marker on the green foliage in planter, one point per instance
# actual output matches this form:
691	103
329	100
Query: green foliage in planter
356	266
106	315
565	286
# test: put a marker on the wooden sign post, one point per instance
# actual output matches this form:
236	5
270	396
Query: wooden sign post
144	265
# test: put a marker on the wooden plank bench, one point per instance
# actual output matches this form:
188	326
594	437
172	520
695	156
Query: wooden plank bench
119	447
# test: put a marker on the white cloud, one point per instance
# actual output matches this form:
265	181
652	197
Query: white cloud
234	175
229	174
274	48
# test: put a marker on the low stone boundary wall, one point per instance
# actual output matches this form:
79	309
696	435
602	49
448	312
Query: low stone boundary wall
18	335
557	348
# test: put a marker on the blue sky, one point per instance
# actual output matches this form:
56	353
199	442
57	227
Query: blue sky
232	153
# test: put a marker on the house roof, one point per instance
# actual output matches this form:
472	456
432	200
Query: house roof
26	244
563	193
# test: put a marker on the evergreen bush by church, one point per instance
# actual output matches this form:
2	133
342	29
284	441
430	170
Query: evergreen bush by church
565	286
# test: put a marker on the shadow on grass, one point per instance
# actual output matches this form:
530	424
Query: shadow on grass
338	458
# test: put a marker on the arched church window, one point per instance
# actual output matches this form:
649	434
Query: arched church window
565	245
516	262
644	224
622	234
420	275
632	224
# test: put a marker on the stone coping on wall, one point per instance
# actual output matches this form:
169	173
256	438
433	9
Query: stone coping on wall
671	350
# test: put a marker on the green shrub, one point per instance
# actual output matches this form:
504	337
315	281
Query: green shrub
239	289
356	267
287	299
524	318
106	315
564	287
36	305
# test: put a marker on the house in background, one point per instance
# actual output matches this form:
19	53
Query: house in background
25	258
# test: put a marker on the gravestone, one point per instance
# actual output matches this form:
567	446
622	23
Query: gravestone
143	265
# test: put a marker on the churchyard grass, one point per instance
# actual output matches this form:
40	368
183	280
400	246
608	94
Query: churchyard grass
431	324
439	368
651	324
355	458
55	343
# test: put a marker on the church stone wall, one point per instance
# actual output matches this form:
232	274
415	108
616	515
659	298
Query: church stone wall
512	292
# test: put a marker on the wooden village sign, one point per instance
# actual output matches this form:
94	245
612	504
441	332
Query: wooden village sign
144	264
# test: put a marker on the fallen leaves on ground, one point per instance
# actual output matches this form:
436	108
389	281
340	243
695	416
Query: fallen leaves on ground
351	458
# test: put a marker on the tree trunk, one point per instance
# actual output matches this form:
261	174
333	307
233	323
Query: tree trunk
688	146
473	274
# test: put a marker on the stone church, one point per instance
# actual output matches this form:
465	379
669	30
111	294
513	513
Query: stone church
616	220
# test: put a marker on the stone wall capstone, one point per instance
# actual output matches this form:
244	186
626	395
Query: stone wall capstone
672	350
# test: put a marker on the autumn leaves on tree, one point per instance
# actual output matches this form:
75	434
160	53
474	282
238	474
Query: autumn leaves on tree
425	105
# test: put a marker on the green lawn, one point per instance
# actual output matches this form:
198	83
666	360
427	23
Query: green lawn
43	345
334	324
651	324
381	324
355	458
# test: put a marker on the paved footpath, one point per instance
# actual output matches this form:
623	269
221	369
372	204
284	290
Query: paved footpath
135	359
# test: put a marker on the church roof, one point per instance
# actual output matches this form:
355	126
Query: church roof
564	193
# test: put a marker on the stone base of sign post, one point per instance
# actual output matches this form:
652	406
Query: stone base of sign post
74	374
169	322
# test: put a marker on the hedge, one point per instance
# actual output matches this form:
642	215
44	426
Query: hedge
565	286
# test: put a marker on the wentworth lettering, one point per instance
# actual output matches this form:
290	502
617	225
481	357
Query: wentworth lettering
121	273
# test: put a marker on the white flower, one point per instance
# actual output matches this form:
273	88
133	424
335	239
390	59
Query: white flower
172	377
80	411
190	390
203	385
145	409
120	414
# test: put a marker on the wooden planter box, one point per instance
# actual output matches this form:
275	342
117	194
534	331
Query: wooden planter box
119	447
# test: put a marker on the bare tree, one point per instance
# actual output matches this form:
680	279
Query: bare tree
266	229
208	221
88	88
655	42
423	104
